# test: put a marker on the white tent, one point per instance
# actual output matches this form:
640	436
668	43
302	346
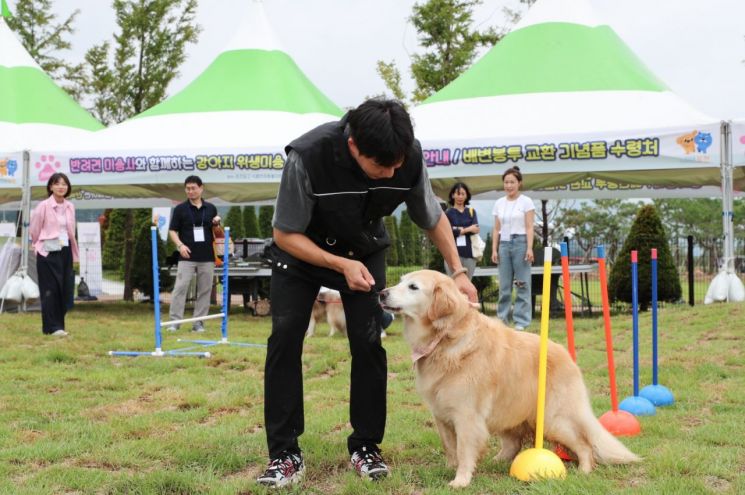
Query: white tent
565	99
229	126
34	113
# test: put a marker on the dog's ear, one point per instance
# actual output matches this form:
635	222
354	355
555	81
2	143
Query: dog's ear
443	303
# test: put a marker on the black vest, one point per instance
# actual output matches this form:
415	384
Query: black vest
347	218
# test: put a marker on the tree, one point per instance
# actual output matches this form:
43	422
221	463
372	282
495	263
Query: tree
265	220
391	254
111	259
450	44
234	220
410	247
701	218
148	51
142	272
250	222
646	233
607	220
43	37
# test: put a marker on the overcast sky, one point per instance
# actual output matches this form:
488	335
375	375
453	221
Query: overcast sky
696	47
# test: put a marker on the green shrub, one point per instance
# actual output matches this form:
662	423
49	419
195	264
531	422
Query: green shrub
646	233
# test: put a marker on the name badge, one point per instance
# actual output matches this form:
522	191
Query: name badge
198	234
460	240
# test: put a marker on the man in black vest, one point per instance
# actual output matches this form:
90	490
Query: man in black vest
339	181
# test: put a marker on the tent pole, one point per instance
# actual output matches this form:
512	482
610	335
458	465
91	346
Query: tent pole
25	215
727	201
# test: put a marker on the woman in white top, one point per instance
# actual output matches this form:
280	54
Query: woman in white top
514	215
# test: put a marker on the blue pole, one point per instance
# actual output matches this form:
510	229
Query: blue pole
156	285
654	316
225	291
635	313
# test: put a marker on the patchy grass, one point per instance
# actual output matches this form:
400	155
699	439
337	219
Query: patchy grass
74	420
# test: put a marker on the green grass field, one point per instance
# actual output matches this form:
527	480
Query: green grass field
74	420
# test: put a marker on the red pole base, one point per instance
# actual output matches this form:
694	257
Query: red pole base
621	423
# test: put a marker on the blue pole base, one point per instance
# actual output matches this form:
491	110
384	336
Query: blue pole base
658	395
222	342
638	406
159	353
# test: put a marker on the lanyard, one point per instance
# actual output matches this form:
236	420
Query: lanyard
194	220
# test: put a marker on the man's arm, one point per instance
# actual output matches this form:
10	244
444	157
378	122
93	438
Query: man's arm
182	248
302	248
442	237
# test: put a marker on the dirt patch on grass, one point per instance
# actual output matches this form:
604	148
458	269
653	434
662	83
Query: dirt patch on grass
717	484
146	403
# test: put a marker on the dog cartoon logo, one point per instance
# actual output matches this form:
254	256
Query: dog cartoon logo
742	139
703	141
687	142
12	167
3	167
48	165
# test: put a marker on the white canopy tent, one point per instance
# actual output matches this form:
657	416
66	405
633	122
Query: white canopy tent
34	113
229	126
566	100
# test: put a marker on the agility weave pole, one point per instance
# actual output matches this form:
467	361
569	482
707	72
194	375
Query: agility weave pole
159	352
225	306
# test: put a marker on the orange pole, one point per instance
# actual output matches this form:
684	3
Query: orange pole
608	334
568	301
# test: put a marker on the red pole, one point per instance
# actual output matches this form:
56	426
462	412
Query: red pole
608	334
568	300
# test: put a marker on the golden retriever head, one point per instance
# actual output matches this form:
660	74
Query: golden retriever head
426	295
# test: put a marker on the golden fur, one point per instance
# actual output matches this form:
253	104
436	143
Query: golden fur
328	307
480	378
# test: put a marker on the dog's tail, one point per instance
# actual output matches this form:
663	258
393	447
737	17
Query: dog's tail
606	448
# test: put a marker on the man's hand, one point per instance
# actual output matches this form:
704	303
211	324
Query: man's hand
357	275
466	287
184	251
216	220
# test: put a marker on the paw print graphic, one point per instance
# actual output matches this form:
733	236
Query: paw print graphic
48	166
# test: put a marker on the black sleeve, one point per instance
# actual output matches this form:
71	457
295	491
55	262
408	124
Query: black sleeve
176	219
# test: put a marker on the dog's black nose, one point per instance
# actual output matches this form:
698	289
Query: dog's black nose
383	295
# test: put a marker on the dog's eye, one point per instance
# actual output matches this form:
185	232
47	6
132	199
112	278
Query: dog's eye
413	287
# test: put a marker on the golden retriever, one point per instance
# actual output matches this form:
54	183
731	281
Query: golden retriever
328	306
480	378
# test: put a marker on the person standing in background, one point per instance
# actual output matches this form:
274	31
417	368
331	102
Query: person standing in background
465	222
52	231
191	230
512	249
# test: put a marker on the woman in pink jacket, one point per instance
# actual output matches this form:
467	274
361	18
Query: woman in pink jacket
52	232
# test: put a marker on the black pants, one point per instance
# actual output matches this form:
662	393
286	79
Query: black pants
294	288
56	288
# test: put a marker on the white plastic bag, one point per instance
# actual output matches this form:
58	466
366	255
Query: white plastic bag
736	290
29	288
477	246
14	288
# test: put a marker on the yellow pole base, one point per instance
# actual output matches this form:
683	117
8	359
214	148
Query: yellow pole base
537	464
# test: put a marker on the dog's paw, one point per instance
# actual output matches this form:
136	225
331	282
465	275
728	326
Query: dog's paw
459	482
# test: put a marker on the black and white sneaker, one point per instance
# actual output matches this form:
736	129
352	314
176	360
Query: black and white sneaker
369	463
284	470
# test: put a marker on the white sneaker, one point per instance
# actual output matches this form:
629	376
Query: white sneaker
60	333
519	328
172	328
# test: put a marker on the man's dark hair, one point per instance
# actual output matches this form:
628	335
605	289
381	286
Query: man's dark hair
193	179
382	130
456	186
53	180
